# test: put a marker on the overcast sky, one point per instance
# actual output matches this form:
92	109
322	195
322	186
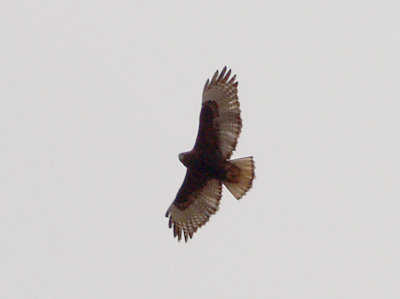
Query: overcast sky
98	98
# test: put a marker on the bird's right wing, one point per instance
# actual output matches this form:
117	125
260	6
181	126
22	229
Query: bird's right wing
195	202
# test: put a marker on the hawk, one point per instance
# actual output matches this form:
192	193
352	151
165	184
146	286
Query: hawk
208	163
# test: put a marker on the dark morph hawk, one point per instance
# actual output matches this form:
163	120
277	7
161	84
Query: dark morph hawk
208	164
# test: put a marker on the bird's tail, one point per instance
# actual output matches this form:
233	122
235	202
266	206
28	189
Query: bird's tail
239	178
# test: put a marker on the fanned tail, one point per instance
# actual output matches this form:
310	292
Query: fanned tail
240	176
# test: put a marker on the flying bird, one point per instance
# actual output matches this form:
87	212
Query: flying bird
208	163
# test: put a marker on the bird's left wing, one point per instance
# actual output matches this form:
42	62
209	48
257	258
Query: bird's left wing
221	96
195	202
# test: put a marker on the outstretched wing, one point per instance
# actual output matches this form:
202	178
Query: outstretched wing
221	97
195	202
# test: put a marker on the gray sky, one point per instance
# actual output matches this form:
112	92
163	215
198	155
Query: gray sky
97	99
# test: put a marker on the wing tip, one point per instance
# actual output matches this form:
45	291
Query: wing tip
185	223
206	85
221	77
232	79
214	78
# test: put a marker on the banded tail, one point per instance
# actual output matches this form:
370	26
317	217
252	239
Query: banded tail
240	176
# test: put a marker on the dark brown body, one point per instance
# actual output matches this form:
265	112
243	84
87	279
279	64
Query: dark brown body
211	165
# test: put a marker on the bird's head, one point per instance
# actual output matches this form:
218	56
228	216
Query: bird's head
184	158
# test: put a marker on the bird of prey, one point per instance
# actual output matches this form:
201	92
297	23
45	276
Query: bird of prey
208	163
